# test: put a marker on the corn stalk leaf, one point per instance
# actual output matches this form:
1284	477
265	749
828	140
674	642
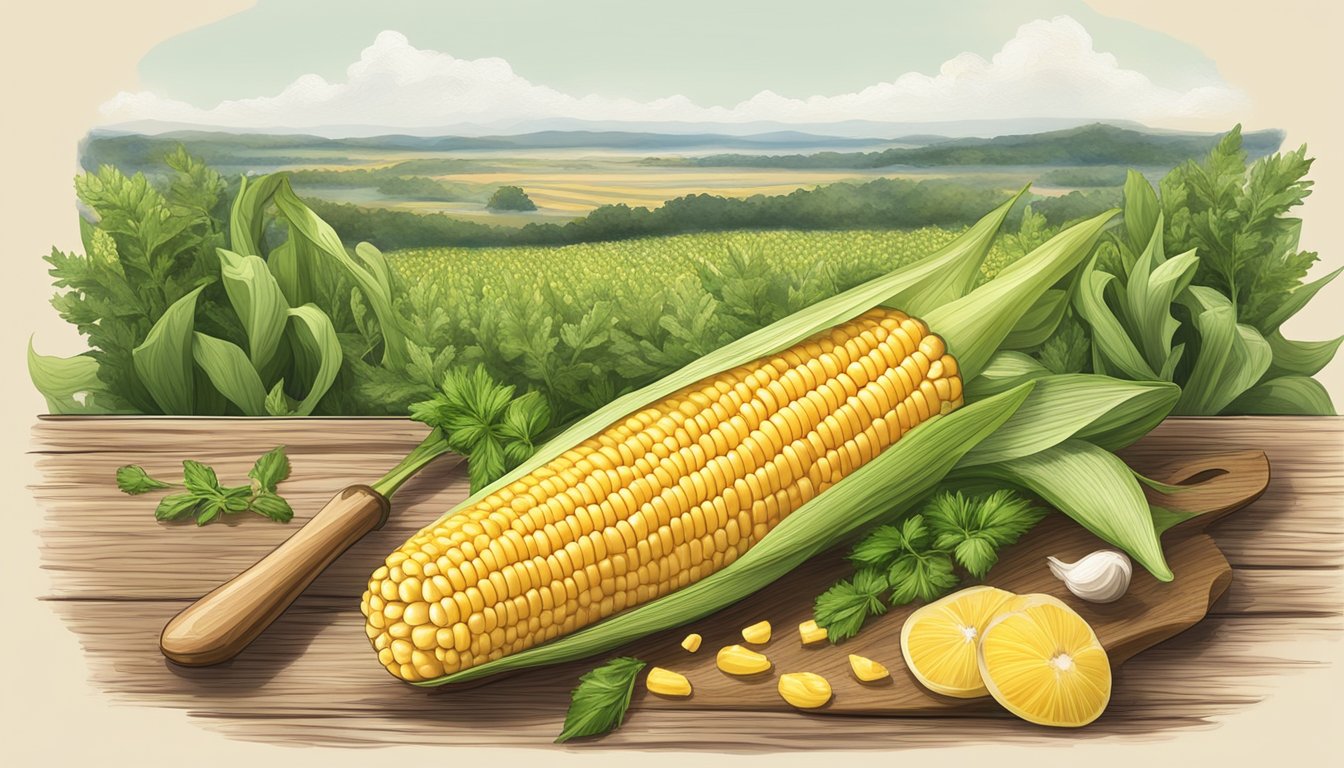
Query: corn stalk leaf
258	302
63	380
163	360
1232	357
1096	489
313	230
1300	358
230	371
895	479
1284	396
317	352
247	217
1297	299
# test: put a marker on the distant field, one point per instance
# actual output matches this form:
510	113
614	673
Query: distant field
589	272
571	188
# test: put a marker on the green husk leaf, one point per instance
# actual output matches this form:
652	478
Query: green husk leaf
976	324
1284	396
1004	371
1109	412
1096	489
163	360
948	274
1039	322
896	478
231	372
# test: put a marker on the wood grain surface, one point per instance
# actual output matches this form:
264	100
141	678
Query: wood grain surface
118	576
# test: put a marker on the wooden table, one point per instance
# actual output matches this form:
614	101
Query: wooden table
118	576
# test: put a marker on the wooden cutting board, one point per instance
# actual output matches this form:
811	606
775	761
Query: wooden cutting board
1150	612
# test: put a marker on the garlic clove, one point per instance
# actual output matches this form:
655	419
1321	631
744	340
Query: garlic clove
1100	577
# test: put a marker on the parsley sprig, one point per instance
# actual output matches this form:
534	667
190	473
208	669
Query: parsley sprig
482	420
915	559
205	498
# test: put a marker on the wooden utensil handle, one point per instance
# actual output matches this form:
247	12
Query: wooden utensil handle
218	626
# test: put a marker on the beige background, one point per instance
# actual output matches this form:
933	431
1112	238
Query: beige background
61	59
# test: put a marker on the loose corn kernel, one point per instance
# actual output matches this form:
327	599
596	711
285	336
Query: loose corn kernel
810	632
867	670
804	690
758	633
736	660
691	643
665	682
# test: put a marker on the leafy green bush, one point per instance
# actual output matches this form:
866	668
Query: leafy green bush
1208	318
509	198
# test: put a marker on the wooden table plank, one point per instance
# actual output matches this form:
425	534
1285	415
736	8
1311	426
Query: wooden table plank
118	575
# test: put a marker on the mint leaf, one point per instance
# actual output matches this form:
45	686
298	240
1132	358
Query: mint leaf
200	479
134	480
176	505
268	504
599	703
270	469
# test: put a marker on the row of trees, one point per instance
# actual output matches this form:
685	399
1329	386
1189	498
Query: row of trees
878	204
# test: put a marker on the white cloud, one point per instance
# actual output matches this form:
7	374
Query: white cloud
1049	69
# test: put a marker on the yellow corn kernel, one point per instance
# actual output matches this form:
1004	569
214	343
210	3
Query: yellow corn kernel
867	670
804	690
691	643
758	633
810	632
736	660
665	682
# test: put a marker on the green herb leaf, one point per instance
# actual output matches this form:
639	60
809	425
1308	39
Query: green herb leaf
974	529
599	703
269	504
176	505
844	607
270	469
920	576
200	479
134	480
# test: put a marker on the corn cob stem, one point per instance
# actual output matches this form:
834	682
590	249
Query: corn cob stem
668	496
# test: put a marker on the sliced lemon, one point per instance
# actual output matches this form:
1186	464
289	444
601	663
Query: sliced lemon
939	640
1043	663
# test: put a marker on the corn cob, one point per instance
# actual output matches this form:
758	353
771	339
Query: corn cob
673	493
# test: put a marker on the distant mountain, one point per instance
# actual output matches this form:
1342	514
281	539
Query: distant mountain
136	150
851	129
1096	144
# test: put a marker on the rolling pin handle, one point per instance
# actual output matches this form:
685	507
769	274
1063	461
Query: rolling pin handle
220	625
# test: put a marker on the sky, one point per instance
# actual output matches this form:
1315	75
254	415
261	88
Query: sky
509	64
